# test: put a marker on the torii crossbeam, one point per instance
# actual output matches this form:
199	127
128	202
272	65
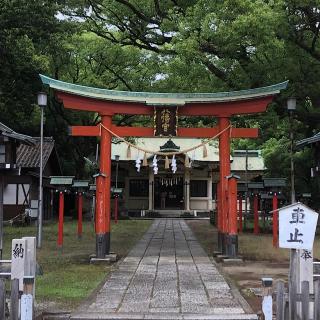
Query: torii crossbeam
222	105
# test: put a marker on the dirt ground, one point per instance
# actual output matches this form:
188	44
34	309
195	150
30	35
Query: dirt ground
260	259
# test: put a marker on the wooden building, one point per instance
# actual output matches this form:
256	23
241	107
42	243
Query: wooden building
19	162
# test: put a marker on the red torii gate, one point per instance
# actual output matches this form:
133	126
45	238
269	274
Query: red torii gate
221	105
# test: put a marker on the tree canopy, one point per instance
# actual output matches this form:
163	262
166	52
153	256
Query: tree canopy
164	46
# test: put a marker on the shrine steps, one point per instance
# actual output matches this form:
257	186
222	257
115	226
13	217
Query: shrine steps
166	213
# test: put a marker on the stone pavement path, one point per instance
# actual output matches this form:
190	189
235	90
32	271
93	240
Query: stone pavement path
167	275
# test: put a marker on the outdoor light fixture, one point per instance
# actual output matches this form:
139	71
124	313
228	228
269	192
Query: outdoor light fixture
291	104
42	102
42	99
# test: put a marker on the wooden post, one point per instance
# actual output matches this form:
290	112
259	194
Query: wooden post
275	225
2	299
240	214
80	201
280	300
256	229
305	300
233	221
103	191
27	299
14	300
267	298
317	300
305	265
61	214
293	272
220	219
224	156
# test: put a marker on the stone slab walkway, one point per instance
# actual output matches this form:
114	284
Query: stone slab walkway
167	275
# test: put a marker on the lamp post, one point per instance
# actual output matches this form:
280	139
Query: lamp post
117	158
291	106
42	102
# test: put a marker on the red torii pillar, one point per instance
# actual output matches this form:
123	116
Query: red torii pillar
224	157
103	191
232	240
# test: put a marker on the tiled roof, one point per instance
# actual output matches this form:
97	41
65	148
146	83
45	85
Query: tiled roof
302	143
153	98
29	156
6	131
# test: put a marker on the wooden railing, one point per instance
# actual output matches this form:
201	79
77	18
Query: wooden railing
302	306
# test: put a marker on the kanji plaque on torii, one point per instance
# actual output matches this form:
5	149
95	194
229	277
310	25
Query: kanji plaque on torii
222	105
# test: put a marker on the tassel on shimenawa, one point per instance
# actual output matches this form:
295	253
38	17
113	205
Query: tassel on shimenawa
145	160
167	163
186	161
205	151
129	152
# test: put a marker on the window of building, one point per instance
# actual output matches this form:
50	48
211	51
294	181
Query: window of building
139	188
198	188
2	153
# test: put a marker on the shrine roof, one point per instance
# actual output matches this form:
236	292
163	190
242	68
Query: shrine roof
161	99
302	143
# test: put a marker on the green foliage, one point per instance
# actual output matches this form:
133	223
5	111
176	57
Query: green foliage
164	46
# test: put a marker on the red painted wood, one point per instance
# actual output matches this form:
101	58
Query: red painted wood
240	214
233	216
92	131
103	181
105	168
61	214
80	202
85	131
133	131
220	218
256	229
71	101
224	153
275	225
225	109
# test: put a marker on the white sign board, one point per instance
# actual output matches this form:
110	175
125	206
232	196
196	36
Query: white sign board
267	307
18	260
297	226
30	256
26	307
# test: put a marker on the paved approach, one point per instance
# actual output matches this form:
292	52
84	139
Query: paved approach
167	275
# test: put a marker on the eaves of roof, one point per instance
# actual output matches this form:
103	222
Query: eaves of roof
161	99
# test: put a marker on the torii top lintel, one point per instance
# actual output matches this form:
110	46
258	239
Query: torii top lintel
111	102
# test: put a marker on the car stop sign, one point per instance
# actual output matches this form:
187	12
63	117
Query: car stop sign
297	226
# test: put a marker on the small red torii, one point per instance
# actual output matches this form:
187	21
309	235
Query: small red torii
222	105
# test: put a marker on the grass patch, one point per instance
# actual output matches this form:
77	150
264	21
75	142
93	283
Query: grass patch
251	247
68	277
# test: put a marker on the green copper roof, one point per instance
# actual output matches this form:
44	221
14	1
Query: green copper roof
61	180
80	183
151	98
